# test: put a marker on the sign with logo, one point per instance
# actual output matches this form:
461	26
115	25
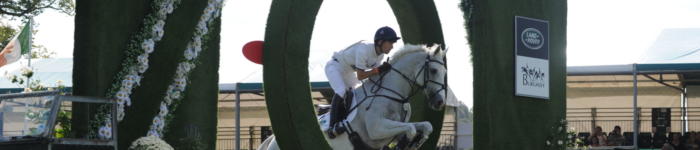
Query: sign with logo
531	57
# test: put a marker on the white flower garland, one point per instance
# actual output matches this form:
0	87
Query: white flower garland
136	62
150	143
175	91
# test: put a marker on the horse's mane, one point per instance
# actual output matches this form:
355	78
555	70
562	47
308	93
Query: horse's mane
408	49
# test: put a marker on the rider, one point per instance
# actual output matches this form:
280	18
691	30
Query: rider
350	65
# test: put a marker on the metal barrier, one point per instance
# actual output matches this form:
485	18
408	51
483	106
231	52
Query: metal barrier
682	120
38	132
584	119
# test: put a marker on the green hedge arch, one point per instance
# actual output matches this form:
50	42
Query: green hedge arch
504	121
286	51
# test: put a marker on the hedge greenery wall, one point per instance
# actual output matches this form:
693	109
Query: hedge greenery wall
503	121
102	31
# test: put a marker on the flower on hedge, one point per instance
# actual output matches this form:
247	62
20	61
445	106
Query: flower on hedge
135	78
169	8
147	45
143	58
142	68
158	123
185	67
189	54
167	100
157	30
153	133
202	28
120	112
126	87
150	143
175	95
157	120
122	96
196	43
163	109
105	132
180	83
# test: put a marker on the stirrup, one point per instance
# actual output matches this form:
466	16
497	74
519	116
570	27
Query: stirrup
335	130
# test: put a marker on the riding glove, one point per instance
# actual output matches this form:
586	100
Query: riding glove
384	67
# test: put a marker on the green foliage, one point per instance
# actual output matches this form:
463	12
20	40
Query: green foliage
561	137
6	34
189	143
27	8
63	123
39	51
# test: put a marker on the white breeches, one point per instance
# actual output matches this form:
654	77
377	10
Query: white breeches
341	77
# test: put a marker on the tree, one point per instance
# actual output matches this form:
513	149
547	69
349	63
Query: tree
6	33
25	8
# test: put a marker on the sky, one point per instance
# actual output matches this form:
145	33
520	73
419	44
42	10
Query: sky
610	31
619	31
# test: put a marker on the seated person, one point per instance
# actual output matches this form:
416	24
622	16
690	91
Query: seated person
675	142
597	138
615	138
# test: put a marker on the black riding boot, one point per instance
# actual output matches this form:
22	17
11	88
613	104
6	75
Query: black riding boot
338	110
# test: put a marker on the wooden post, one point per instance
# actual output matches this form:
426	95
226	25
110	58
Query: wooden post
251	133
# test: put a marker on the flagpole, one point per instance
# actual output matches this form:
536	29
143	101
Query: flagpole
29	59
29	56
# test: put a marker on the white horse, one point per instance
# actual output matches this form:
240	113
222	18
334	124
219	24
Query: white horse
381	110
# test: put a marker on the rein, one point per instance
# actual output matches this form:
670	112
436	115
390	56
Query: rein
415	86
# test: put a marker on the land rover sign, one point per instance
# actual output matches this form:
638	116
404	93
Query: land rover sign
531	57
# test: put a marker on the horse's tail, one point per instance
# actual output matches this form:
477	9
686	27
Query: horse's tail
266	144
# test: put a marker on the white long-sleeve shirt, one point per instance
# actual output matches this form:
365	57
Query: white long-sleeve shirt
361	55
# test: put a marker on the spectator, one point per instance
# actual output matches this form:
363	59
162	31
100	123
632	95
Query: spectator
667	146
690	141
597	138
659	137
615	138
676	142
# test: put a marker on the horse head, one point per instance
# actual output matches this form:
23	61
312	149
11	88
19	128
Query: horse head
435	77
425	67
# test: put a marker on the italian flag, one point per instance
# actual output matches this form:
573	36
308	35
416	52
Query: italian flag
20	44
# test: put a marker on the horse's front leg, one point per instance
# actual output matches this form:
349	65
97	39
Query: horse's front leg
381	127
426	129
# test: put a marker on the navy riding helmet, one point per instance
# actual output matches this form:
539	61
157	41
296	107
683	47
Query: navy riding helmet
385	34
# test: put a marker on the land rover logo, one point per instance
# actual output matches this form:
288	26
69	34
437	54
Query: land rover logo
532	38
